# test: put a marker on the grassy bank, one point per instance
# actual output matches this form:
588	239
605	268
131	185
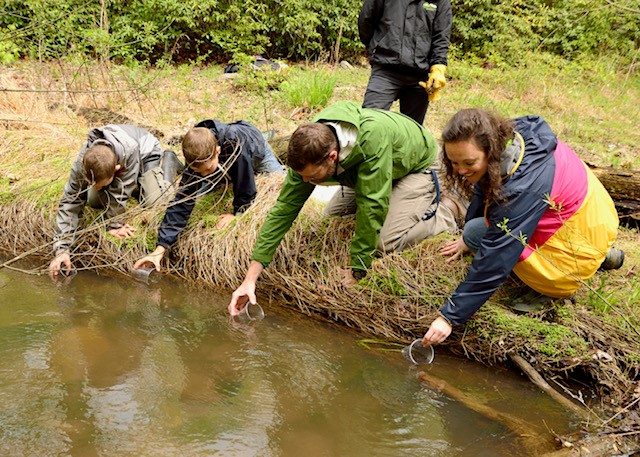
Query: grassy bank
46	114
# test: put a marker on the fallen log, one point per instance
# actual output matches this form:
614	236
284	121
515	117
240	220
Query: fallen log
539	381
533	443
624	188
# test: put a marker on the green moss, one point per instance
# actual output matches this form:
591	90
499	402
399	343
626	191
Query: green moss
554	340
385	283
5	191
209	207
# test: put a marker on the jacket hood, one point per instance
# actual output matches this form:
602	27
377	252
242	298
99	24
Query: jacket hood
113	136
342	111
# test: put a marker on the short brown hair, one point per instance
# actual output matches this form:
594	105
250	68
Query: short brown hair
99	163
198	145
310	144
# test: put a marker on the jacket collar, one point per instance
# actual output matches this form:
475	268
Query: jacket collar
512	156
347	135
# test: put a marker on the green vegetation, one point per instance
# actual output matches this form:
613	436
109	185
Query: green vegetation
501	33
573	62
309	89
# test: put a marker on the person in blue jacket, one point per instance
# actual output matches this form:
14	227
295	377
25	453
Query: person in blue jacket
536	209
212	148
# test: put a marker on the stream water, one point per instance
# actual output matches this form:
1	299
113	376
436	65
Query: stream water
105	366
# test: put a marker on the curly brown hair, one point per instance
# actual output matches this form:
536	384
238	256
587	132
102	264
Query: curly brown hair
490	133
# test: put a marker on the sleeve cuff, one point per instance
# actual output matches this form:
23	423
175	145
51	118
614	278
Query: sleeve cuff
446	319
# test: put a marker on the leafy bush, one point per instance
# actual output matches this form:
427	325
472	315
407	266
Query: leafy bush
181	30
500	32
504	31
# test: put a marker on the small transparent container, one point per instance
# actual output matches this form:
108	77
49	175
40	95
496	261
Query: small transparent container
65	276
418	354
146	275
251	312
68	274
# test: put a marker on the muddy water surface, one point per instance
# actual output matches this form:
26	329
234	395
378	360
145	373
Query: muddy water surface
107	367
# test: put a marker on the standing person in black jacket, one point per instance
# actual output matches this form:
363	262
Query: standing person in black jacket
210	148
407	42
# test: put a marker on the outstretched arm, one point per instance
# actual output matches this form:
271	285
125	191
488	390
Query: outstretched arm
247	290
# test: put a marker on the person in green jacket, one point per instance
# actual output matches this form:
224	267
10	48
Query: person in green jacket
385	157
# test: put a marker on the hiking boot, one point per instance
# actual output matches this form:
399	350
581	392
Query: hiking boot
531	301
457	208
613	260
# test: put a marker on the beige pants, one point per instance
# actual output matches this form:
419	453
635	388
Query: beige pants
153	189
411	198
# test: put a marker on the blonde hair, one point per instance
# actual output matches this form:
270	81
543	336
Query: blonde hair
199	145
99	163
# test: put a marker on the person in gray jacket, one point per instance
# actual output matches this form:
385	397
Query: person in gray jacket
115	161
407	42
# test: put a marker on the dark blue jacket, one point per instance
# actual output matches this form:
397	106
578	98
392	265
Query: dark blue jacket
241	147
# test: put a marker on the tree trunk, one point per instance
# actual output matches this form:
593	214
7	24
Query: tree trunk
624	188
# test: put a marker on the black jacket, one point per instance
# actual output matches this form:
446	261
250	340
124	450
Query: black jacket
241	147
408	33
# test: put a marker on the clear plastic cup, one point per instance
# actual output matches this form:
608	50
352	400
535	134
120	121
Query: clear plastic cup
66	276
418	354
146	275
68	273
251	312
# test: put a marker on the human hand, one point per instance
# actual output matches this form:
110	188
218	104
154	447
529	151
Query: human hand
56	264
455	249
125	231
241	296
436	82
152	259
224	220
346	277
439	330
247	290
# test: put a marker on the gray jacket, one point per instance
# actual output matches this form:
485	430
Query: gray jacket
137	151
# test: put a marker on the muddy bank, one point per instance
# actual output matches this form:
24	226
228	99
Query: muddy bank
587	349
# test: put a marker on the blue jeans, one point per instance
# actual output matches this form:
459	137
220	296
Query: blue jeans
269	163
474	231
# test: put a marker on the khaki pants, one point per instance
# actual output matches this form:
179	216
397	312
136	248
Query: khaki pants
157	184
153	189
411	198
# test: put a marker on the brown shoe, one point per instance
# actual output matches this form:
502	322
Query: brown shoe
457	208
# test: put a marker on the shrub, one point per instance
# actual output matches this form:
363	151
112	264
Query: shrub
309	89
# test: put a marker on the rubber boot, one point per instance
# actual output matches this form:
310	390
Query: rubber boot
613	260
171	166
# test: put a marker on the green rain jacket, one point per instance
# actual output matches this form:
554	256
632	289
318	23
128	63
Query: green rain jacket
388	147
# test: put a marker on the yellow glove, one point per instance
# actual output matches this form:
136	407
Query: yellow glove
435	82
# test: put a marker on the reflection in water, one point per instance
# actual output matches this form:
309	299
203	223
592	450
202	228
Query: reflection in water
105	367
